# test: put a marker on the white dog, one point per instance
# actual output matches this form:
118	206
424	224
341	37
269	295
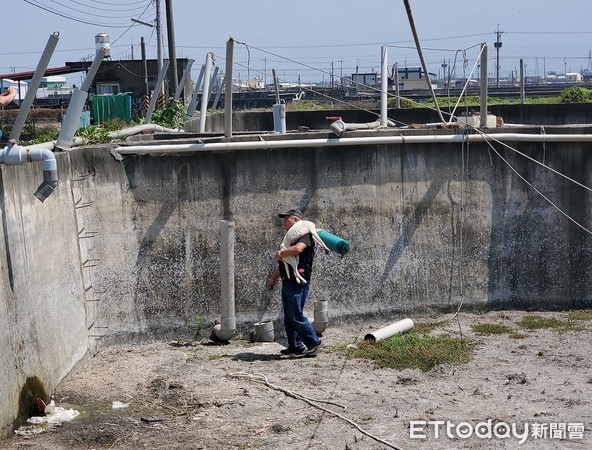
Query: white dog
299	229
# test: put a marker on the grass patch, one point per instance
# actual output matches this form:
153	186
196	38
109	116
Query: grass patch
536	322
491	328
580	314
517	336
428	327
409	350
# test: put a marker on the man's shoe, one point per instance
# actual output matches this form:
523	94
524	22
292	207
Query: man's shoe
293	351
313	350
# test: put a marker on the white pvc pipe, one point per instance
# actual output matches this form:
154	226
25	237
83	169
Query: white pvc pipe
25	106
205	96
262	144
390	330
16	155
383	87
226	329
321	316
279	118
157	87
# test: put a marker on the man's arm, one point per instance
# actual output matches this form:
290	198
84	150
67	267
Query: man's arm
8	96
272	280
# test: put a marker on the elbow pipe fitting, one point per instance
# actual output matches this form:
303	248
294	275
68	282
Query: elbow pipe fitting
16	155
339	126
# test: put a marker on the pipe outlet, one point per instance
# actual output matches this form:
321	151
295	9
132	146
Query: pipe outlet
390	330
16	155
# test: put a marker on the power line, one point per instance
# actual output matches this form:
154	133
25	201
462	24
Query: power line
76	19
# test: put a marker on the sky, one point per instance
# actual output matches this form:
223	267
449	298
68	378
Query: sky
310	41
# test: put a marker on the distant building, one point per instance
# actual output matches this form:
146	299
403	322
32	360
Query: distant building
574	77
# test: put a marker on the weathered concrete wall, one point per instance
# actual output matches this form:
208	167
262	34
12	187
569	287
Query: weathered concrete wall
130	249
42	315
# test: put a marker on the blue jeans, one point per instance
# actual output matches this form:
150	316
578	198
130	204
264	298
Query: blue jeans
298	329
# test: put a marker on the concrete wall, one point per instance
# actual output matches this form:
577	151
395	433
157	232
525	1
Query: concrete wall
536	115
127	250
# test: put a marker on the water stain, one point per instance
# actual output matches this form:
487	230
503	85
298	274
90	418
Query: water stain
31	391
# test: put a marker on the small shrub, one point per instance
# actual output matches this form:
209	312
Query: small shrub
172	114
575	94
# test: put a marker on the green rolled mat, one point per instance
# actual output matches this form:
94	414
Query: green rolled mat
334	243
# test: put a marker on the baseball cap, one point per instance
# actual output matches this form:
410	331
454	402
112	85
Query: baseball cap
290	213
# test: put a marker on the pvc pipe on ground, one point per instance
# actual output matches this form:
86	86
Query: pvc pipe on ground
390	330
226	329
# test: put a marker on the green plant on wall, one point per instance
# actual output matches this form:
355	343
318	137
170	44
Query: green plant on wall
172	114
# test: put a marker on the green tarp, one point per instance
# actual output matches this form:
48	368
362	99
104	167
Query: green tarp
107	107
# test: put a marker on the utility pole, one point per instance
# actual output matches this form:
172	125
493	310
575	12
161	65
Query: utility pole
497	45
159	52
174	77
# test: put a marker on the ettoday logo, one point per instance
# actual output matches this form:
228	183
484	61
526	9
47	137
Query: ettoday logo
418	429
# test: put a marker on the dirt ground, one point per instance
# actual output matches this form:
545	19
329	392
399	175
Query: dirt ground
200	396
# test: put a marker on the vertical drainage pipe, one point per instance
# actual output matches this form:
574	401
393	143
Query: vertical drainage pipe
226	329
390	330
321	316
484	83
19	122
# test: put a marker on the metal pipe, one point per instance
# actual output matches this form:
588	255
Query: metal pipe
205	96
25	106
262	144
228	89
483	86
14	154
390	330
156	90
226	329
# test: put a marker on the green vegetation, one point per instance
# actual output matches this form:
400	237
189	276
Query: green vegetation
171	115
491	328
409	350
536	322
517	336
575	94
428	327
42	134
580	314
